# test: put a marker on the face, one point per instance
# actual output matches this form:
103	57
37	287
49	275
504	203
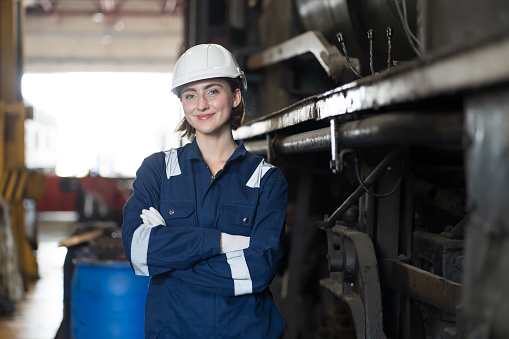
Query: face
208	105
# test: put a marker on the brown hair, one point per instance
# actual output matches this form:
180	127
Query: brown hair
236	117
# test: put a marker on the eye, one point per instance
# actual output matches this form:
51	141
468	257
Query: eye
189	96
213	91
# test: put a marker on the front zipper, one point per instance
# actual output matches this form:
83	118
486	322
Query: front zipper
213	177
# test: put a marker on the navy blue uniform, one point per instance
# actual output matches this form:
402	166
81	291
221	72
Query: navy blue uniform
196	292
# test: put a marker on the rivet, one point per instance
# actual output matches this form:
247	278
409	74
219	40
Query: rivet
171	212
245	220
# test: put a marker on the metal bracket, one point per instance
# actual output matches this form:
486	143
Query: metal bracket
354	279
314	42
336	163
380	169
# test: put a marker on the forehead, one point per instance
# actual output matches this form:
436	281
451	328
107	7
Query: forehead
205	83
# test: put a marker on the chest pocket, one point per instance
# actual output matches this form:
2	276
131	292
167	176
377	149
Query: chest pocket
178	212
237	219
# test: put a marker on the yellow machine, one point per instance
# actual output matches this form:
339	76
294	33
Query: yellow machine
19	261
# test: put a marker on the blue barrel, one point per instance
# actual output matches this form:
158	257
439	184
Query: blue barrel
107	300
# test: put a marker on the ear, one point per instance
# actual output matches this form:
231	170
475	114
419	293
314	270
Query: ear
237	97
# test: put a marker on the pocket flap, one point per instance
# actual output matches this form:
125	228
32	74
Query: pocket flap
241	215
176	209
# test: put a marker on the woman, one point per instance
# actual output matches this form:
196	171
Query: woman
206	220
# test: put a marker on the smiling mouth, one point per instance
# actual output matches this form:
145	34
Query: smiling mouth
204	116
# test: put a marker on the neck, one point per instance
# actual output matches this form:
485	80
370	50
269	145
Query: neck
216	150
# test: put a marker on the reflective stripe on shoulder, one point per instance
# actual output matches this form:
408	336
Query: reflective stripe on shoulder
139	249
256	178
240	272
172	163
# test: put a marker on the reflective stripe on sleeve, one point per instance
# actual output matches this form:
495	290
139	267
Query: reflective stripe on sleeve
139	249
240	272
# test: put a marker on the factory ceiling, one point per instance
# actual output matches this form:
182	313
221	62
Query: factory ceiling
102	35
112	9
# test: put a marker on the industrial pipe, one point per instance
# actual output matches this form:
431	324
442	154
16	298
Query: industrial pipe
384	129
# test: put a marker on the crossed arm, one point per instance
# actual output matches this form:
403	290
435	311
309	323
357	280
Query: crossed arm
208	259
228	242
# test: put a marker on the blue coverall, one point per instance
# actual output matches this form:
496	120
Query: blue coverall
196	292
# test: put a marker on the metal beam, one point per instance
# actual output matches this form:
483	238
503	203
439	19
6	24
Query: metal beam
421	285
456	73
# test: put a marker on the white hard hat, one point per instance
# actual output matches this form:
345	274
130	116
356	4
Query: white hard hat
206	61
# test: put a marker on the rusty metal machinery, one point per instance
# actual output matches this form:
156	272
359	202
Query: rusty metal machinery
389	120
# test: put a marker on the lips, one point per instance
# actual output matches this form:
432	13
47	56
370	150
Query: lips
204	116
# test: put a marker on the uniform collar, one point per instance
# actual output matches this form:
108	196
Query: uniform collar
194	151
240	151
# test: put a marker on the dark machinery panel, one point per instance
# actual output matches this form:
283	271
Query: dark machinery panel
389	120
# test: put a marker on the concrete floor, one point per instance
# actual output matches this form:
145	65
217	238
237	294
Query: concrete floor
39	316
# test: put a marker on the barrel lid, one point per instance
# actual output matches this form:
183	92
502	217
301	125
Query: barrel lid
94	262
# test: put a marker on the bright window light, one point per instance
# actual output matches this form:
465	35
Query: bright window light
107	123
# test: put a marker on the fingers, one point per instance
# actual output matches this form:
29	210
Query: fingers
152	217
144	218
156	213
150	220
157	216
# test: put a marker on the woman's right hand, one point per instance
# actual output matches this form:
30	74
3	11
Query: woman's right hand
152	217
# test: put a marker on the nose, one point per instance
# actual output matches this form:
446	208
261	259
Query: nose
203	104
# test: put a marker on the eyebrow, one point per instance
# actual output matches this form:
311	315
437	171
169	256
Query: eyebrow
190	89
